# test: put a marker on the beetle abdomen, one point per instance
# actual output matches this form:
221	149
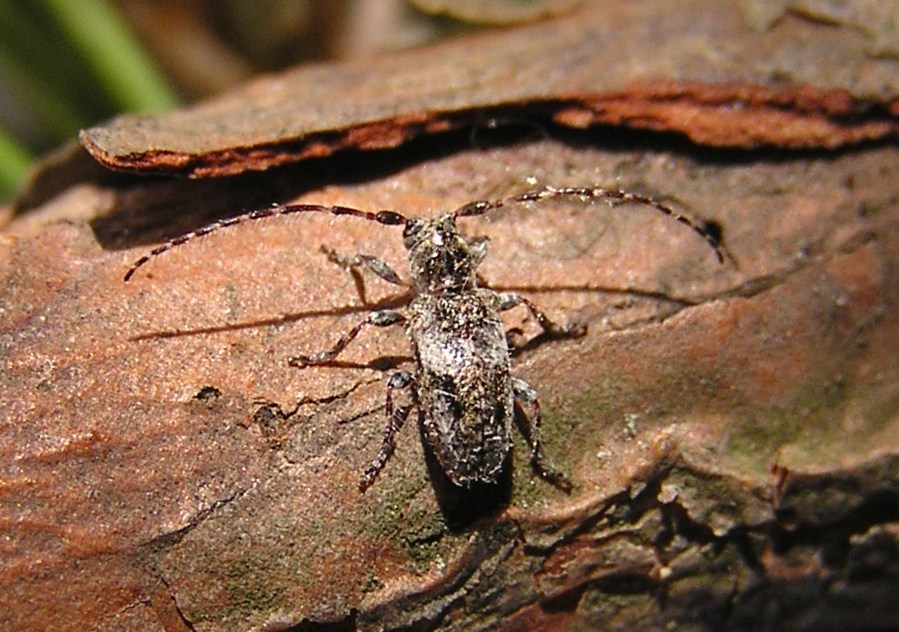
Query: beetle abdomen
464	388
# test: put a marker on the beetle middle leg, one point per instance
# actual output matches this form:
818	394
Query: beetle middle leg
530	428
383	318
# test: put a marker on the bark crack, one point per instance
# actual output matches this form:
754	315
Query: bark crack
174	602
172	538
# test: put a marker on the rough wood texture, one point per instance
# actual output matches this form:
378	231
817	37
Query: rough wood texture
696	67
732	430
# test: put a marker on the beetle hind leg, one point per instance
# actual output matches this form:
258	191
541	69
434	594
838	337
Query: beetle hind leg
396	417
530	428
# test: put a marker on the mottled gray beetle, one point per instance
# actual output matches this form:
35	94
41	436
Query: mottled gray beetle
462	386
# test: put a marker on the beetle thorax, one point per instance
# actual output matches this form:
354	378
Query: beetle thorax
440	259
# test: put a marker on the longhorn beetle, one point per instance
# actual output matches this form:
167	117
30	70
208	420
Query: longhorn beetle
466	397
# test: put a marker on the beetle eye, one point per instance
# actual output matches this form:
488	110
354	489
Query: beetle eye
412	229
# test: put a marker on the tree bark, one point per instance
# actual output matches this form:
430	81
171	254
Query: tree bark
731	430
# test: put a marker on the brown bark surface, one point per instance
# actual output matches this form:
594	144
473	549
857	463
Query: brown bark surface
731	430
703	68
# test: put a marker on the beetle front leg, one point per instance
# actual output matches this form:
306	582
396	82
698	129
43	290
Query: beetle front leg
396	417
383	318
359	262
531	431
508	300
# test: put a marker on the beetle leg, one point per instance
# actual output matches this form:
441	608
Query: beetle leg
354	263
508	300
383	318
396	417
477	247
531	430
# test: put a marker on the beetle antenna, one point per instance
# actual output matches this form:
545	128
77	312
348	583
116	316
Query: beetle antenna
711	236
382	217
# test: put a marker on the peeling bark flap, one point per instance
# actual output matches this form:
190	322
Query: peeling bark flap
705	70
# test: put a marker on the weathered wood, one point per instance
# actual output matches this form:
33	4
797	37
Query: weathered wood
731	430
697	67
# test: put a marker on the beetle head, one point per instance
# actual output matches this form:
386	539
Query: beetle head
440	259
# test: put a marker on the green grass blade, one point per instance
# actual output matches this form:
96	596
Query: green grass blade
14	163
127	72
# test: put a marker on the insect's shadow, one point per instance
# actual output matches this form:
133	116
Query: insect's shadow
399	300
461	507
390	302
450	318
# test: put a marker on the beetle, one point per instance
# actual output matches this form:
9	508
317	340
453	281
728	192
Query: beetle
462	386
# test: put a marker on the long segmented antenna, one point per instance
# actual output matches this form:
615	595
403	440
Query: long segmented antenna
382	217
585	193
480	207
